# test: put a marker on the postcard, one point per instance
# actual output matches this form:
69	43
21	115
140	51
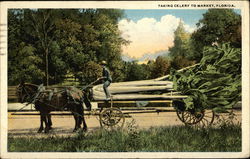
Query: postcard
124	79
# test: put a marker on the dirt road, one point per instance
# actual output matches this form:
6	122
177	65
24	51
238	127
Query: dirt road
27	123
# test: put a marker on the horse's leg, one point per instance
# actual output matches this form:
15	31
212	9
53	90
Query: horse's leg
84	124
76	117
47	127
79	121
82	119
74	112
49	121
41	123
80	115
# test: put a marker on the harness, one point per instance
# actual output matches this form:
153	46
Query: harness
41	92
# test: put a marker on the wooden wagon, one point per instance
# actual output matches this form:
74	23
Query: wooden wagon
141	93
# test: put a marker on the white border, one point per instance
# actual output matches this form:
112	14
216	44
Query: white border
243	5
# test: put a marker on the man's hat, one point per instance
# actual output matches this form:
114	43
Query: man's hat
103	63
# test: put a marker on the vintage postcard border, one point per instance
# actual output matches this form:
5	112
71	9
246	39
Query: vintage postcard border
243	5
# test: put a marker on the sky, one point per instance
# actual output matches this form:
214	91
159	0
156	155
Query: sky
151	32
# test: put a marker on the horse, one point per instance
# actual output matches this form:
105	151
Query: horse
47	100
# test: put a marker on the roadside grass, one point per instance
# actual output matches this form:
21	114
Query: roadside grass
225	138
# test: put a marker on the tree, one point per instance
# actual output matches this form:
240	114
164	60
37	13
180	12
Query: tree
58	66
42	23
160	67
110	41
217	26
24	67
91	71
23	63
95	37
71	49
65	41
181	62
135	71
181	51
181	42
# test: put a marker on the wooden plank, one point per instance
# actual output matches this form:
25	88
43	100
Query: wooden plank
11	89
12	93
142	83
131	89
134	105
12	97
139	97
153	101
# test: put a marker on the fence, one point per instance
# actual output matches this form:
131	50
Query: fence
12	97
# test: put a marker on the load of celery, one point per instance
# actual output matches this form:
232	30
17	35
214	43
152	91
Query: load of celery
215	83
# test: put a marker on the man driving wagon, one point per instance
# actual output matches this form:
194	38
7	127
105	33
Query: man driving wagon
106	79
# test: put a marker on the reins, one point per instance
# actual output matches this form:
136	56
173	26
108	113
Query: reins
90	84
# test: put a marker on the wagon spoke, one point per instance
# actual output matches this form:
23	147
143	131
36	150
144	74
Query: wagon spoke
205	120
111	118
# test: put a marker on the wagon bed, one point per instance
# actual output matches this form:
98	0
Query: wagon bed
111	116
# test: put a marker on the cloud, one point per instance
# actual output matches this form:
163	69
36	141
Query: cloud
149	36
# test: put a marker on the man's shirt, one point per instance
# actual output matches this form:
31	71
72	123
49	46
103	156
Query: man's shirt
106	74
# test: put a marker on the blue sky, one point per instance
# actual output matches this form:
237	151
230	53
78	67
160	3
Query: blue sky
151	31
191	17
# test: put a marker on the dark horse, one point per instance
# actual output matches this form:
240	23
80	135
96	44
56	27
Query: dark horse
47	100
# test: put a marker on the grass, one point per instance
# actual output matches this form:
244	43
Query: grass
226	138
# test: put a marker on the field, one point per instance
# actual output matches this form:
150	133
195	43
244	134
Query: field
142	133
226	138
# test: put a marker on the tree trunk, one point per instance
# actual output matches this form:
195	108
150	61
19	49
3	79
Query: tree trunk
47	66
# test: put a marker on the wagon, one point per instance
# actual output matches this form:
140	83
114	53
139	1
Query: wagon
112	116
145	91
138	92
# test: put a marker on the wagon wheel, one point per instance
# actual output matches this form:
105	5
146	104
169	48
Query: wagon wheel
112	118
202	118
208	118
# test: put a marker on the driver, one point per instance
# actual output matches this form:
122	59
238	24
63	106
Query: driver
106	78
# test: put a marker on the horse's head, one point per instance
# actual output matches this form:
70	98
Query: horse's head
25	92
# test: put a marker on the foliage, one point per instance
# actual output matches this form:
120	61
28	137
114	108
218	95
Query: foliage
160	67
41	26
70	42
25	67
65	42
110	48
181	42
91	72
23	63
181	50
158	139
135	71
216	26
179	62
215	82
